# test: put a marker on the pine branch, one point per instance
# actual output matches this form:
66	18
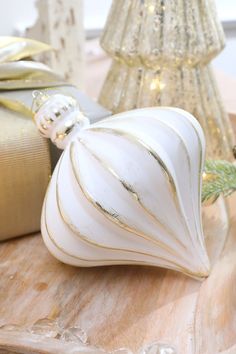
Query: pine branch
219	178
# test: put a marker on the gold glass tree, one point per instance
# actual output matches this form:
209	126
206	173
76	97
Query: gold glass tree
161	52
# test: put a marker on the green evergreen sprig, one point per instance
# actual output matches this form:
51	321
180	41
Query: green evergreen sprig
219	178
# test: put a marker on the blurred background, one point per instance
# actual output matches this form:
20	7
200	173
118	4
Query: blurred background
17	15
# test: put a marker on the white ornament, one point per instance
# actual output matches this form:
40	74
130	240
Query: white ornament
127	190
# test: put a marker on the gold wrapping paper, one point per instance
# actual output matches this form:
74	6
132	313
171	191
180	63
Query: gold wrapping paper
25	163
24	174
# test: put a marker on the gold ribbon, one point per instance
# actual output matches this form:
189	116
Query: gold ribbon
19	71
15	48
25	161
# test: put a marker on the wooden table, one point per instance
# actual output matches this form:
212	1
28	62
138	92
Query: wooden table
118	306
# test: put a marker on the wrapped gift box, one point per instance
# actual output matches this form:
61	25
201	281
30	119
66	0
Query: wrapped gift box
27	159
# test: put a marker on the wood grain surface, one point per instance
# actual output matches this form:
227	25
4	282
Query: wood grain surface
122	306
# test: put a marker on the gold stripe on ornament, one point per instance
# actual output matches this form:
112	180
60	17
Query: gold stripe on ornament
100	261
113	217
135	196
199	172
150	151
84	238
89	241
199	169
172	185
182	143
120	115
184	270
157	158
200	158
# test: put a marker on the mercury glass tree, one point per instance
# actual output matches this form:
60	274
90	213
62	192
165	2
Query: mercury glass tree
161	52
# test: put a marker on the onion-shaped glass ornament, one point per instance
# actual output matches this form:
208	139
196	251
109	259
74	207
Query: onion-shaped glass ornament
127	189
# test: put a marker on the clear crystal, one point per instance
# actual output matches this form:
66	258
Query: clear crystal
46	327
39	98
12	327
75	334
122	351
157	348
87	350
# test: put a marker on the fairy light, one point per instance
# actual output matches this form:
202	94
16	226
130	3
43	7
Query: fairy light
156	84
151	9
